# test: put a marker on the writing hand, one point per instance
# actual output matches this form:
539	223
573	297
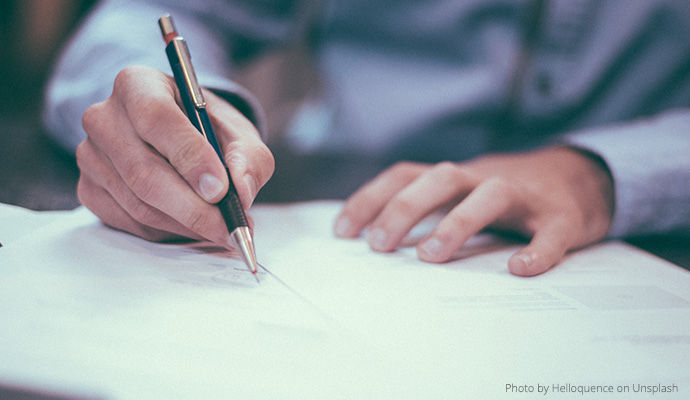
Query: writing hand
559	197
146	170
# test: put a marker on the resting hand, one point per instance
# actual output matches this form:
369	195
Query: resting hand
559	197
146	170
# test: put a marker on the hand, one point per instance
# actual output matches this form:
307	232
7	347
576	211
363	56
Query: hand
146	170
559	197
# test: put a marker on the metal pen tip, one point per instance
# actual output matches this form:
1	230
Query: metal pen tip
242	237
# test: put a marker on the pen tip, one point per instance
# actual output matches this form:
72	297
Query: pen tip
244	242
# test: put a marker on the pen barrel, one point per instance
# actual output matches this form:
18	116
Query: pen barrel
180	81
195	107
231	208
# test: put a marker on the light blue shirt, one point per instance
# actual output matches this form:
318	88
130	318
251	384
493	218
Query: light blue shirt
437	80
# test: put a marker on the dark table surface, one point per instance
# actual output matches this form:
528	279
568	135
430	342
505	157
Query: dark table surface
36	174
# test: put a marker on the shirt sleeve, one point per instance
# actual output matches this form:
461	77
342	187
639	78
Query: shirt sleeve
120	33
650	165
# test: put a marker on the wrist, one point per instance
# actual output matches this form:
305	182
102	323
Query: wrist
594	174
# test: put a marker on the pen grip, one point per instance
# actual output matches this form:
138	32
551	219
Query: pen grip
231	207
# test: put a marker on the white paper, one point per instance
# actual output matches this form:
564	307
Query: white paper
90	310
16	222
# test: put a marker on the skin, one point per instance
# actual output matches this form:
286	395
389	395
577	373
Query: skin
146	170
562	199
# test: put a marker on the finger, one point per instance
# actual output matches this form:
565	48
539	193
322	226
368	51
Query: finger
435	187
249	161
112	214
490	201
547	247
100	186
102	191
367	202
152	179
148	99
158	185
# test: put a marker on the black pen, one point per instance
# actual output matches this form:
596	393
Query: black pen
195	107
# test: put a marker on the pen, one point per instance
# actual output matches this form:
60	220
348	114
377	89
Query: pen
195	107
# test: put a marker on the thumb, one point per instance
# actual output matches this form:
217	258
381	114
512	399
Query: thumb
546	249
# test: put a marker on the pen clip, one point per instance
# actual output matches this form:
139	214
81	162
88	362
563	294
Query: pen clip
181	50
188	72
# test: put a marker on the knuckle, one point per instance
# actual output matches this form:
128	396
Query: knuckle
447	173
355	203
403	169
460	220
124	80
143	213
84	193
362	196
196	221
505	195
149	124
446	168
402	172
82	154
188	153
260	161
91	119
360	200
500	186
88	158
402	206
142	180
112	182
267	161
127	77
146	105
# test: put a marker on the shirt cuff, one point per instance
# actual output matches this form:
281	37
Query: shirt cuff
650	167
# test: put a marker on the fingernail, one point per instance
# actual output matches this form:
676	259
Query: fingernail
342	227
210	186
526	260
251	185
377	238
431	248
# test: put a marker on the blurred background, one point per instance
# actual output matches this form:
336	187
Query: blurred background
35	174
38	175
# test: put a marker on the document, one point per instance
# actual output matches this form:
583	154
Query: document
15	221
84	306
88	310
